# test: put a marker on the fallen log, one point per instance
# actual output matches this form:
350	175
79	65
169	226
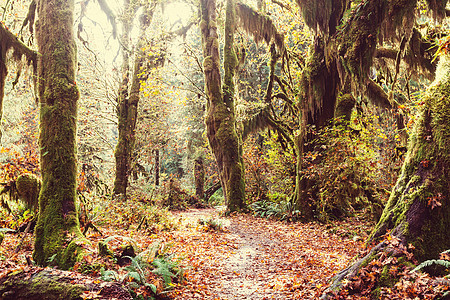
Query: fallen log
35	283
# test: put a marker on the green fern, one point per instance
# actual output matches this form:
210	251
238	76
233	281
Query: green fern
164	267
427	263
108	275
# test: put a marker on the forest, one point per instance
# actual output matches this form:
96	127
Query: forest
224	149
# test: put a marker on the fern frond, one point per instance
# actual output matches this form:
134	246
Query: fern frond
427	263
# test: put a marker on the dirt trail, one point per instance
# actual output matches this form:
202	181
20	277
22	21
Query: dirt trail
254	258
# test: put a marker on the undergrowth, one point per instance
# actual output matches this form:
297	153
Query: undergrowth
148	274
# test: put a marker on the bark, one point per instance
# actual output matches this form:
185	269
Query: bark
320	85
57	231
220	119
52	284
418	211
210	191
128	101
121	153
199	177
157	167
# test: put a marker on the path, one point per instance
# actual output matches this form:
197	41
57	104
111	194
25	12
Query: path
255	258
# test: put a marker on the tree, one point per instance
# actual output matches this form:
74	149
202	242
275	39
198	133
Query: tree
220	119
224	139
129	93
58	233
417	213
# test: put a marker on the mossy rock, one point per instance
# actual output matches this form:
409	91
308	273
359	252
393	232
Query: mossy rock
103	249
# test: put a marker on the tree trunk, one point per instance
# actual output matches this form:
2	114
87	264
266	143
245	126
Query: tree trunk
211	190
418	211
220	119
57	230
199	177
129	99
121	152
320	83
157	167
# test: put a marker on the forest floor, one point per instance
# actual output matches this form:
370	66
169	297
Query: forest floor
243	257
236	257
255	258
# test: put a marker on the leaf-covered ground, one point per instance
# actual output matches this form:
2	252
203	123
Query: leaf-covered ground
254	258
244	257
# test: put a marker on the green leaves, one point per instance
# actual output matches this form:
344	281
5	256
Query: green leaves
163	268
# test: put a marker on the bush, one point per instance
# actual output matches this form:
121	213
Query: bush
345	171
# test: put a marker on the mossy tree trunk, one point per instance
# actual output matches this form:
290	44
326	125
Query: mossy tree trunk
128	100
121	152
220	119
57	230
199	177
418	211
157	166
52	284
320	87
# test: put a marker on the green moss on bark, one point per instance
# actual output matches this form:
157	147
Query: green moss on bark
28	187
418	210
220	120
57	227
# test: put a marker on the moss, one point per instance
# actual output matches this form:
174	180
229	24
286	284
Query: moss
208	64
103	249
386	279
344	106
220	121
53	285
418	209
28	187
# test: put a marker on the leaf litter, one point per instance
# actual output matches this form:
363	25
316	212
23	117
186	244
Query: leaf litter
245	257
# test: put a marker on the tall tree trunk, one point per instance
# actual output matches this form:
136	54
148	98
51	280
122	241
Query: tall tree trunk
121	153
220	119
128	102
199	177
320	85
57	229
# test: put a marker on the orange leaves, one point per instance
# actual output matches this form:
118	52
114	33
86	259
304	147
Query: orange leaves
434	202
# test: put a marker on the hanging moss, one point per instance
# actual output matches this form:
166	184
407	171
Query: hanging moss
319	86
316	13
10	43
259	26
438	8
